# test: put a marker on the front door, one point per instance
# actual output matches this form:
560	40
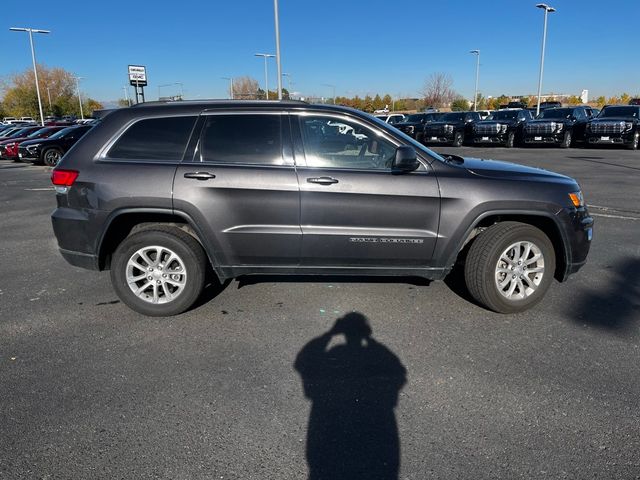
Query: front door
241	187
354	211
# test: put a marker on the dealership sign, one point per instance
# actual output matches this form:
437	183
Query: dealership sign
138	75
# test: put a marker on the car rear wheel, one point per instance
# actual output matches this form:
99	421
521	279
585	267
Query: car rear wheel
159	272
51	157
510	267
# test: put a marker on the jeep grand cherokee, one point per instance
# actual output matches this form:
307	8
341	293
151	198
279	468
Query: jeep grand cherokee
160	194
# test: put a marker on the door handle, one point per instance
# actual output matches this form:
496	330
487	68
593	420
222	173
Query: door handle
199	175
322	180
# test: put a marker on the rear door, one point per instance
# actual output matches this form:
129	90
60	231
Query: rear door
240	187
354	211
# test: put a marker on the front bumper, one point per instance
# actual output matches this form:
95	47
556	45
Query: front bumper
546	139
577	227
610	139
27	156
438	138
490	138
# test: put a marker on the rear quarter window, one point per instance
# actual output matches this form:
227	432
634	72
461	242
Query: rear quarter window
154	139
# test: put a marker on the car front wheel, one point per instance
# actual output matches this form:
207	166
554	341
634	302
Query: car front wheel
510	266
51	157
159	272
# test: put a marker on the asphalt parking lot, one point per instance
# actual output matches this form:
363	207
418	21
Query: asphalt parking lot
90	389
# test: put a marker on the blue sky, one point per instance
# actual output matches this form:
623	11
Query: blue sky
360	46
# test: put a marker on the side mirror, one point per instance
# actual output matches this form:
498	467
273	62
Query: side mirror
405	159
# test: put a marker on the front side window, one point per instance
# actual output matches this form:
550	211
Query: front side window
339	143
251	139
154	139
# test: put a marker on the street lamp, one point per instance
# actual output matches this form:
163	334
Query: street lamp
288	75
333	87
79	96
31	31
278	63
475	96
230	85
547	10
266	56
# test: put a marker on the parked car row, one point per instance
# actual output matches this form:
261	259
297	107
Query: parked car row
558	126
38	144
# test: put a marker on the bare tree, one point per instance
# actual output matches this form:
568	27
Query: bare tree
437	91
245	88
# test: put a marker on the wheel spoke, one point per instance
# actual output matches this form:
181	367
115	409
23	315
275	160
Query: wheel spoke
506	259
527	251
505	282
533	259
521	288
179	283
136	278
166	291
512	288
535	270
142	288
155	293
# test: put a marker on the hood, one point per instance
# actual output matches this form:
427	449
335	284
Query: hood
613	119
36	141
507	170
501	122
7	141
406	124
548	120
440	122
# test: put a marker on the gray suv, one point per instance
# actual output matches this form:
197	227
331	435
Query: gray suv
161	194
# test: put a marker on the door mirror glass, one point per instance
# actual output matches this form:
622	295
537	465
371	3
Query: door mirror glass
405	159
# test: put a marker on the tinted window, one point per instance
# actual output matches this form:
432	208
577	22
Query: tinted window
619	112
161	139
415	118
337	143
508	115
452	117
556	113
248	139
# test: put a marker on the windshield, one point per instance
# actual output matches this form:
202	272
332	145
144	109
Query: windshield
619	112
556	113
416	117
408	140
452	117
40	133
63	132
504	115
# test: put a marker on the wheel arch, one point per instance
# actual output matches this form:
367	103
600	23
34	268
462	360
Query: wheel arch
547	223
122	223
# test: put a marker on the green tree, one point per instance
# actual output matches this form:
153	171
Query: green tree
378	104
574	100
601	101
459	104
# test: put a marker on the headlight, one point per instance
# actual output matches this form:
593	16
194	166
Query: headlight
33	147
448	128
628	126
577	199
503	128
410	129
559	127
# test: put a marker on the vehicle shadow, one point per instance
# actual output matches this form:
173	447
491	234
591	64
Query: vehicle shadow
599	160
353	388
615	307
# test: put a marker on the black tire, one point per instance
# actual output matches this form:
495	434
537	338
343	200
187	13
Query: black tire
189	251
566	140
634	144
484	260
51	156
458	139
511	140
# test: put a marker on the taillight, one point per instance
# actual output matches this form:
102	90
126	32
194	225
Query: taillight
63	178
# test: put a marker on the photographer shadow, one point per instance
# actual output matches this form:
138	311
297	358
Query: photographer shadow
354	388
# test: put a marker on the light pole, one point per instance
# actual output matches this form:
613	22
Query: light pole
266	56
333	87
547	11
475	96
79	96
126	95
31	31
230	86
49	95
275	14
288	75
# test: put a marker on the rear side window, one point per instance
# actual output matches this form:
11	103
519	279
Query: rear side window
247	139
154	139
